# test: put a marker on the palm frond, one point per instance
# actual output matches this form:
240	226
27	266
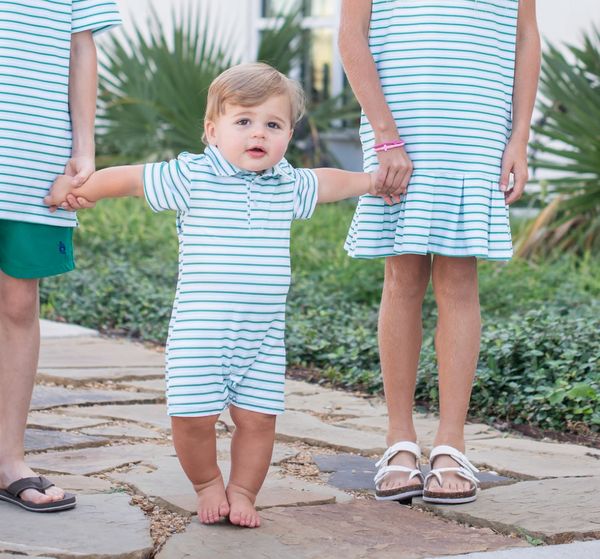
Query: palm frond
567	143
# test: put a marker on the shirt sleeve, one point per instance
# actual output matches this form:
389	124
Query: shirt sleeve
167	186
97	15
305	193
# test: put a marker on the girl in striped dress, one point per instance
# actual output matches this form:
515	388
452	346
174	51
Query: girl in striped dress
456	81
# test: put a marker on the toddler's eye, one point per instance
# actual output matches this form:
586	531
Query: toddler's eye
273	125
244	122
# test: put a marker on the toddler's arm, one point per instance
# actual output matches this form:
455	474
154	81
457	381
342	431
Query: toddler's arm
114	182
335	184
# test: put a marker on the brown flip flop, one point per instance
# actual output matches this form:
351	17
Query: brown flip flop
12	492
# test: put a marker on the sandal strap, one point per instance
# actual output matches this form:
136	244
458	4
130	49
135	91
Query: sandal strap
403	446
383	472
39	483
456	455
462	472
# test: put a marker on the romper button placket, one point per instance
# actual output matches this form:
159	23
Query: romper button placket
249	201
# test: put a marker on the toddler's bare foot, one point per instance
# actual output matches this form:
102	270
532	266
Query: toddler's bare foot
242	512
212	501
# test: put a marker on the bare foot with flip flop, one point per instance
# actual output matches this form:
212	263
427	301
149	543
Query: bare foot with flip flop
20	486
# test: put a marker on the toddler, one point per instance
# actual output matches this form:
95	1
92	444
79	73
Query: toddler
235	205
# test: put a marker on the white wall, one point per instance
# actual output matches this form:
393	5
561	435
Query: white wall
233	17
565	20
559	20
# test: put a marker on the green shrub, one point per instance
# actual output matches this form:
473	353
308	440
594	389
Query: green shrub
540	348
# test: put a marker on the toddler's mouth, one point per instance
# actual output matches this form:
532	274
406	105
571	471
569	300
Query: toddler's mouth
256	151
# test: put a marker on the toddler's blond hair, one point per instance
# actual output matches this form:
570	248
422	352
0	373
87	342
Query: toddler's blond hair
249	85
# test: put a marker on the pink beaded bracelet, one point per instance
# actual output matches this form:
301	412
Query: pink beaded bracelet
389	145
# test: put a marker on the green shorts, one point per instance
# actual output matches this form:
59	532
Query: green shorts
33	250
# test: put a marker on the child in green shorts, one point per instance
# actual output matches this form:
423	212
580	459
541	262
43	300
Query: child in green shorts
47	108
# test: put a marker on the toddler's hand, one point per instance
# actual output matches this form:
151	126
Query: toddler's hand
374	191
62	186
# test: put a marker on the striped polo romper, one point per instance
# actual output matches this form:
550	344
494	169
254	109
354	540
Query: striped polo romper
225	341
447	70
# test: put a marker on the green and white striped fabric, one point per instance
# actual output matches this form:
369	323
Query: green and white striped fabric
35	126
225	341
447	72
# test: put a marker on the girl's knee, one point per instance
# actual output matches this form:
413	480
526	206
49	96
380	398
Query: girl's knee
455	279
407	276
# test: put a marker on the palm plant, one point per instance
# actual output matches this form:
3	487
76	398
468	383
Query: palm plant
568	142
153	89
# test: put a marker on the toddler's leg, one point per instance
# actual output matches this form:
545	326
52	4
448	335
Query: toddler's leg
251	451
196	445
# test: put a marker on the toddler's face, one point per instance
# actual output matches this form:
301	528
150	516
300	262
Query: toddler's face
253	138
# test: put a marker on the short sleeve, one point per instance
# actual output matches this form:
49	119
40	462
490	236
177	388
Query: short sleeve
167	186
97	15
305	193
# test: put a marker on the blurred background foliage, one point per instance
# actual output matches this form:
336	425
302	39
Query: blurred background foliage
567	144
153	89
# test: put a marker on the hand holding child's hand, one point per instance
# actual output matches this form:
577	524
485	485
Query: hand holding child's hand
374	191
61	187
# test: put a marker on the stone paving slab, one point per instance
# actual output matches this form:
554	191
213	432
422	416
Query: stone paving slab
154	415
100	353
301	387
20	556
359	529
293	426
280	452
81	376
48	397
169	486
356	473
425	425
336	403
80	485
578	550
52	330
530	459
152	385
99	527
40	420
553	510
44	439
123	432
97	460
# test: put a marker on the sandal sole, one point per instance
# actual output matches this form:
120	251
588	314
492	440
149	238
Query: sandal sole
56	506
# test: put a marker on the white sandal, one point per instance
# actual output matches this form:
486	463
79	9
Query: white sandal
466	470
406	491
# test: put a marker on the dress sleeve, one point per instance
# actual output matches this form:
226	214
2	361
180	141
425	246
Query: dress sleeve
97	15
167	186
305	193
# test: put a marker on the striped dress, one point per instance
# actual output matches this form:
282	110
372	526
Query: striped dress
447	70
35	124
225	341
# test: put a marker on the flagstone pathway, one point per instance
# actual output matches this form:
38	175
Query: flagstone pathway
98	427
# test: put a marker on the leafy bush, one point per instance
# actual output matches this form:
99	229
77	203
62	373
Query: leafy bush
537	365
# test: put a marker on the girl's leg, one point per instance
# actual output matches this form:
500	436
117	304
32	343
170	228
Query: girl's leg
400	337
251	452
196	446
19	352
457	341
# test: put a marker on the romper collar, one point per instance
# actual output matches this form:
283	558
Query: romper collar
223	168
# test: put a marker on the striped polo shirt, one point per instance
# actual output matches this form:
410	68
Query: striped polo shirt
226	337
35	126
